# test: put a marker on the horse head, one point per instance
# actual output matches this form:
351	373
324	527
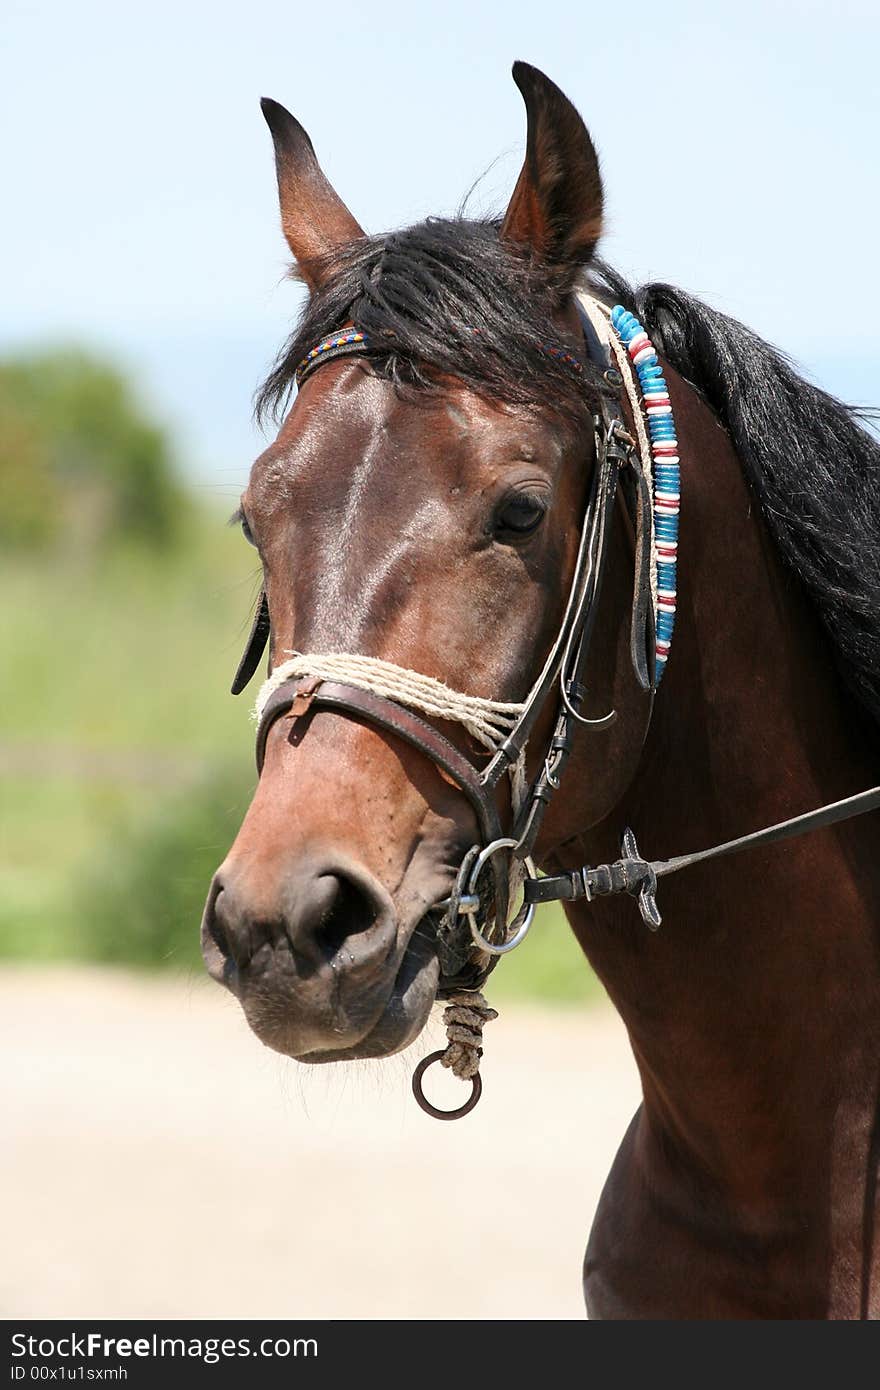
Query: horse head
422	505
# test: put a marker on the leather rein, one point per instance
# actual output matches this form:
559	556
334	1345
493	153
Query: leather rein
482	890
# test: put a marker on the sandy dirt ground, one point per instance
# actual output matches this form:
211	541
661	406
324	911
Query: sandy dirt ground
157	1162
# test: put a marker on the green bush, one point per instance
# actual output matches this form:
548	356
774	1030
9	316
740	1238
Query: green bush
141	902
80	462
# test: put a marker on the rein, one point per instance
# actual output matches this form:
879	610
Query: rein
631	874
387	696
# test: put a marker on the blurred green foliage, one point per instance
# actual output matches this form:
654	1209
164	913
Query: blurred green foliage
125	766
80	463
140	901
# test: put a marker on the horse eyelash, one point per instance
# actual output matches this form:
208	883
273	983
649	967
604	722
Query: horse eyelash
238	518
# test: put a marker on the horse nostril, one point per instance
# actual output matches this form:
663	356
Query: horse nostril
312	917
229	937
216	929
340	909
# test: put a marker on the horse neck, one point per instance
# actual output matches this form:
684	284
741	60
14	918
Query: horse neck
753	1012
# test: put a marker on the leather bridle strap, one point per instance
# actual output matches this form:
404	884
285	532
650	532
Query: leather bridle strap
632	874
298	695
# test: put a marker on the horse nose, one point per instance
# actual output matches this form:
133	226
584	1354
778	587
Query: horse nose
313	915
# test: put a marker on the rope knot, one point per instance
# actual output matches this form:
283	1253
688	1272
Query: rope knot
465	1016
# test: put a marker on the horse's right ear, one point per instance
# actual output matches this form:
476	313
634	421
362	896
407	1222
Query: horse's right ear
314	219
556	208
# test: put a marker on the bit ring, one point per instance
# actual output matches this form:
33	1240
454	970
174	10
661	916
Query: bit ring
523	919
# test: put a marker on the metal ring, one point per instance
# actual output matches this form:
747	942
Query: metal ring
523	919
476	1090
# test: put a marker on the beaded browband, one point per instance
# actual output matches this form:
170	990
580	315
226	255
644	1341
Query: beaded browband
351	340
663	465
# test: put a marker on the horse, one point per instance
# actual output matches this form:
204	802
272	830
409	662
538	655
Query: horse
455	502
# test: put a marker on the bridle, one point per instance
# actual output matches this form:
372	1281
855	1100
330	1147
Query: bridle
466	958
482	891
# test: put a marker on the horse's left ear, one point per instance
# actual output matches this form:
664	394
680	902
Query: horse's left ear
556	208
314	218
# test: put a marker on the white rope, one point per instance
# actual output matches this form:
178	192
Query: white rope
489	721
599	316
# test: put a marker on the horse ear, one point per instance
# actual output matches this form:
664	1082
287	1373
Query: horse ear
556	208
314	218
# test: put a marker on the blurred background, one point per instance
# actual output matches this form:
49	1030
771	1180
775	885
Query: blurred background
143	299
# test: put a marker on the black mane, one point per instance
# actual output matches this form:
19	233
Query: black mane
813	468
449	298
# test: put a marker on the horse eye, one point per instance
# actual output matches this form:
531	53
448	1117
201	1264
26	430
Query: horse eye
246	530
520	514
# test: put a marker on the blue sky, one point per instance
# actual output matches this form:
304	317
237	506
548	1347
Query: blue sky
738	147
